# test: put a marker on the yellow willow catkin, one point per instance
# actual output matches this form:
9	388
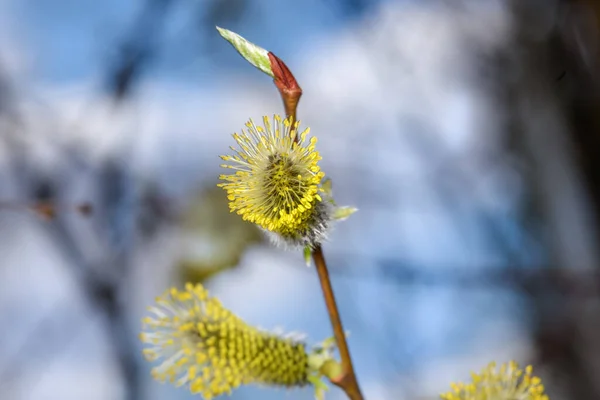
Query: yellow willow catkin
276	183
205	346
508	383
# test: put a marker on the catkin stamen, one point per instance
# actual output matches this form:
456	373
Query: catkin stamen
206	347
276	183
508	383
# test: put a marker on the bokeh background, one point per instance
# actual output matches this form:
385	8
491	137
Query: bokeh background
466	132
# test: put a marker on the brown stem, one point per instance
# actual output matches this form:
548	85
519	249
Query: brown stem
290	92
347	381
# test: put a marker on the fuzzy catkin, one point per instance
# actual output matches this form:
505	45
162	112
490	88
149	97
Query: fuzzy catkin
205	346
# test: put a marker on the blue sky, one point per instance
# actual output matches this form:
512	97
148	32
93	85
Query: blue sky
74	40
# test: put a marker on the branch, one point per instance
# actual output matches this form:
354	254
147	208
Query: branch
290	92
347	380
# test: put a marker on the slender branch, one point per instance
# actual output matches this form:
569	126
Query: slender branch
347	381
290	92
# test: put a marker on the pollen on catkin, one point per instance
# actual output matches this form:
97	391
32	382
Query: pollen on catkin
276	183
208	348
508	383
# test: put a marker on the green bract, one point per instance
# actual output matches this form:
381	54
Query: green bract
255	55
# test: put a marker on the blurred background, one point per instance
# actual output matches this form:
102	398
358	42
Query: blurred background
466	132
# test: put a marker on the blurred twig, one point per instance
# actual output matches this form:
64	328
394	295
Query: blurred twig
138	48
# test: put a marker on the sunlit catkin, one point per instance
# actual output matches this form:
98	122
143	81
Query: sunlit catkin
276	183
205	346
507	383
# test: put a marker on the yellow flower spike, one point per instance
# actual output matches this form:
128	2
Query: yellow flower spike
507	383
276	180
207	348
